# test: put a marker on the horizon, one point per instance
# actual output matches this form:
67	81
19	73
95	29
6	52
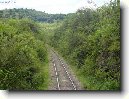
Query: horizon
50	7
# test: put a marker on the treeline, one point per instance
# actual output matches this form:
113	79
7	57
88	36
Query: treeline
23	56
31	14
90	41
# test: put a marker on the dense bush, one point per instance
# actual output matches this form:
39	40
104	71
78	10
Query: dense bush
22	55
90	41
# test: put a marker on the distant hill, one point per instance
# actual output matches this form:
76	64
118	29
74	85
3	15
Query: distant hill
32	14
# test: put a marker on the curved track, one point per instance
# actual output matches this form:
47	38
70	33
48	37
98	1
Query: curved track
62	77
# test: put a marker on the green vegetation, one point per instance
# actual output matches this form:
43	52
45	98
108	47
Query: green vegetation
90	42
88	39
48	30
31	14
23	56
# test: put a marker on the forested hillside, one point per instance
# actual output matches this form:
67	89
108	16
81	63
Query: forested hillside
32	14
23	56
90	41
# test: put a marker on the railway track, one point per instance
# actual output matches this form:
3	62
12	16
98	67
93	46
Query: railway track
64	80
68	75
57	78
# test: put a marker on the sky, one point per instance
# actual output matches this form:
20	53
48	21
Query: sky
51	6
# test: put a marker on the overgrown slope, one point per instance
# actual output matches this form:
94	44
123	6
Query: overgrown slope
23	56
90	41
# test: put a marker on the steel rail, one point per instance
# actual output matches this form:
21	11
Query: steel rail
68	75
